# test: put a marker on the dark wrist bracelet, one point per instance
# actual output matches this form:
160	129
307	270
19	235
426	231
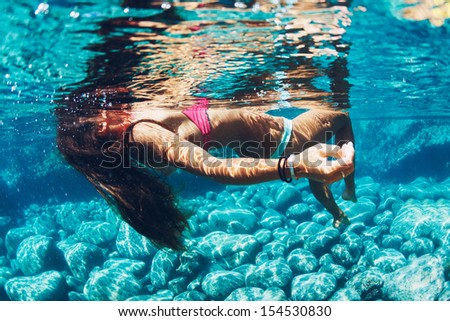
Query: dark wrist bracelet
282	169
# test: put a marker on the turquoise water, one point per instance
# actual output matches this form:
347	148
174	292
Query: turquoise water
391	74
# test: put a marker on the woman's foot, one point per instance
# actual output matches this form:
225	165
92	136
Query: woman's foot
349	195
342	219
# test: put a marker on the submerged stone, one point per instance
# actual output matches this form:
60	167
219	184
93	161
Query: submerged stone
417	246
229	250
48	286
368	284
274	273
346	294
389	260
445	294
338	271
363	211
341	255
111	285
191	296
82	258
392	241
274	250
299	212
128	265
219	284
421	280
257	294
221	219
163	268
287	196
190	263
69	216
36	254
96	232
263	236
133	245
423	219
313	287
178	285
14	237
321	242
44	224
271	220
302	261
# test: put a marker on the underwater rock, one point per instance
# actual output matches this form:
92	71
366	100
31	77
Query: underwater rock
271	220
375	232
282	234
135	267
354	243
257	294
389	260
44	224
338	271
36	254
70	216
75	296
111	285
219	284
356	227
96	232
422	188
274	250
133	245
445	294
321	242
308	228
341	255
268	202
75	284
346	294
302	261
421	280
422	219
229	250
287	196
162	295
263	236
313	287
299	212
417	246
274	273
178	285
5	274
363	211
190	263
191	296
384	218
14	237
368	284
48	286
392	241
221	219
163	268
322	218
82	258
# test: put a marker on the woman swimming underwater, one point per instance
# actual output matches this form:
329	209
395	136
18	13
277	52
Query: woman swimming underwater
115	149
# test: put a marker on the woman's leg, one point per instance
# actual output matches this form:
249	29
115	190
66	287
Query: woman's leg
318	126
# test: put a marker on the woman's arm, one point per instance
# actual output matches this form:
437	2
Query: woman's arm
312	163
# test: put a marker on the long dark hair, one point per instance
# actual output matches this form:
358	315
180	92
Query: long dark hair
141	198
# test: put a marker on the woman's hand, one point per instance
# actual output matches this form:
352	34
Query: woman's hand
325	163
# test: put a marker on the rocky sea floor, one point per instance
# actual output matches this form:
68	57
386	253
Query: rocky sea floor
260	242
